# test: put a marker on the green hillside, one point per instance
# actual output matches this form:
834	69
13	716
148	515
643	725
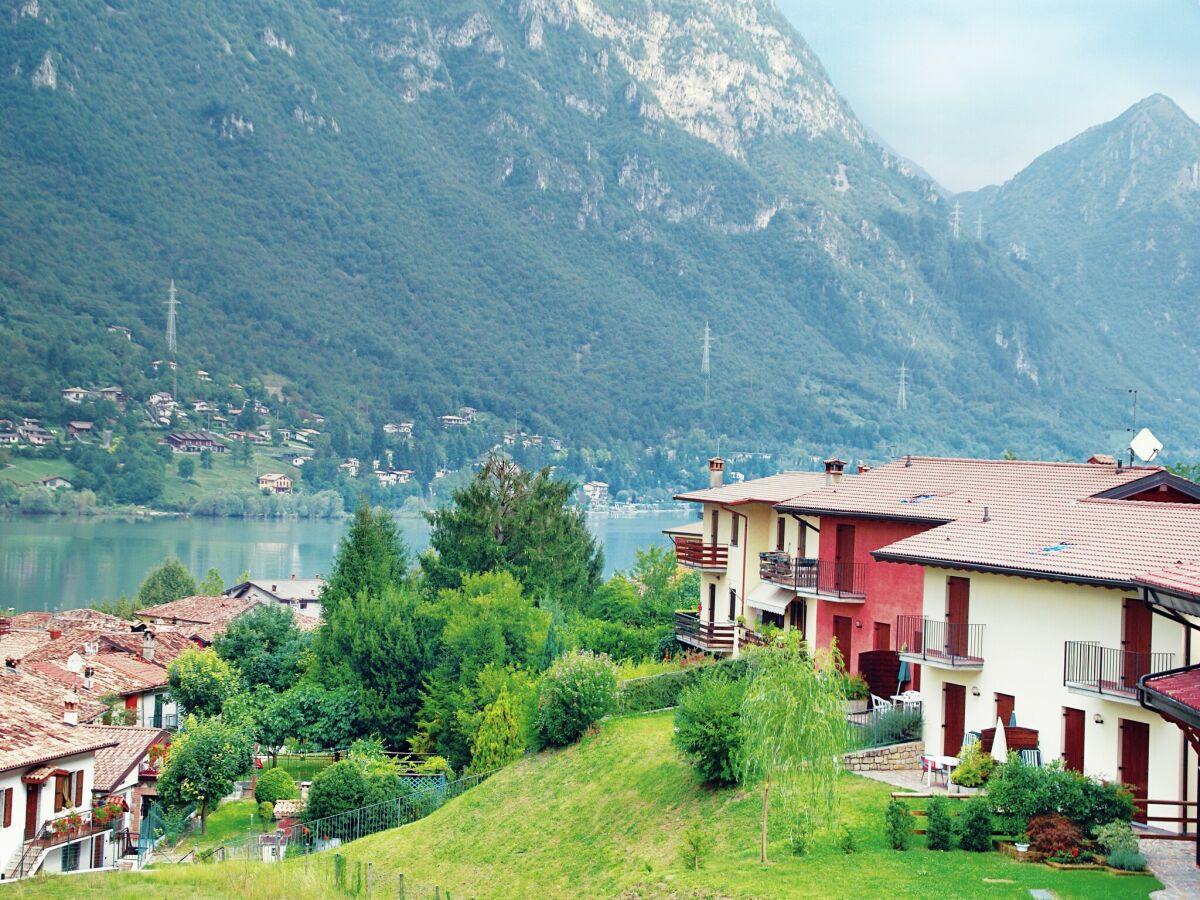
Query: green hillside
529	208
606	819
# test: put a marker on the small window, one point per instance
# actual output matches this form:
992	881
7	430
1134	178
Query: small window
62	792
733	529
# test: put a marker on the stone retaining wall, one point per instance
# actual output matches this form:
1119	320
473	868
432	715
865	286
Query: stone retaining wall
895	757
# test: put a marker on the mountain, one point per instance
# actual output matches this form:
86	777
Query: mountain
1111	219
533	208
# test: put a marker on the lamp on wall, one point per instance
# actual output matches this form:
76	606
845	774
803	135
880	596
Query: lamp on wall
1098	719
975	691
858	623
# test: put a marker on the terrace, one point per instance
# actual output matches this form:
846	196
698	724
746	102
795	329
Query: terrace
827	579
938	643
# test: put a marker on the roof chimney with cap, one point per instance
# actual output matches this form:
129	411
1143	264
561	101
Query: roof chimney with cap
55	634
716	472
70	708
148	646
89	674
863	468
834	468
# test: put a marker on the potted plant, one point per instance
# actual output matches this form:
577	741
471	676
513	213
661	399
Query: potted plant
857	693
60	826
1022	843
74	821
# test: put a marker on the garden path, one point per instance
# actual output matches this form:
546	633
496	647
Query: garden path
1174	864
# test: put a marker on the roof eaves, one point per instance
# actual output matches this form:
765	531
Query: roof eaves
883	555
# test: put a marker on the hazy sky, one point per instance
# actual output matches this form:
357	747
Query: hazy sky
973	91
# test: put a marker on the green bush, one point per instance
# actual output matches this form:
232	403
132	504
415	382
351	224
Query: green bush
897	825
574	694
1128	860
334	790
974	767
1019	793
975	826
1115	836
856	687
800	834
274	785
847	842
696	846
663	691
266	811
708	726
939	828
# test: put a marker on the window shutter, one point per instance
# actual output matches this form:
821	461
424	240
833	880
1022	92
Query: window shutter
62	791
8	804
79	788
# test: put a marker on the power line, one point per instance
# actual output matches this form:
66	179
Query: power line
956	219
172	306
902	394
706	359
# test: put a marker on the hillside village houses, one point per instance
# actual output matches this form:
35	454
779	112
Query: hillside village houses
275	483
1036	593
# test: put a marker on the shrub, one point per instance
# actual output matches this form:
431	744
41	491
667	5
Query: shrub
1054	835
574	694
800	834
696	846
708	726
847	842
974	767
266	811
975	826
334	790
274	785
1019	793
653	692
897	824
857	687
1129	860
1116	836
939	825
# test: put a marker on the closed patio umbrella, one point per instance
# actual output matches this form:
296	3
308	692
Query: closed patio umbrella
1000	743
904	675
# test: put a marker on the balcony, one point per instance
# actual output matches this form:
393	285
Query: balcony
149	768
941	644
1110	672
715	637
696	554
821	578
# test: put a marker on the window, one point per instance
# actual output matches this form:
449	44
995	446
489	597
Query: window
770	618
716	519
6	807
781	534
62	792
733	529
70	857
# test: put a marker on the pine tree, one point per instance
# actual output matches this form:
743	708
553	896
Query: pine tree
498	741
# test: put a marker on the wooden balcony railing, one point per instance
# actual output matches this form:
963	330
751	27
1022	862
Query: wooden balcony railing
826	578
940	643
1109	670
695	553
713	636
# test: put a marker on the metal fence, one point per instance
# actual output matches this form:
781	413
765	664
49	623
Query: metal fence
882	727
1109	670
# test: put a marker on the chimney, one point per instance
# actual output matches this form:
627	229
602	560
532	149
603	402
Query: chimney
70	708
716	472
274	589
293	576
863	468
10	665
148	646
834	468
91	648
55	634
88	674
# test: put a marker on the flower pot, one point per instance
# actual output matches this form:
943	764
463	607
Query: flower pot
856	706
1021	847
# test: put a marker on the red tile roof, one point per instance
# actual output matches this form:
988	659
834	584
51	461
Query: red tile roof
114	763
167	644
772	489
1182	687
27	738
198	610
46	693
1183	581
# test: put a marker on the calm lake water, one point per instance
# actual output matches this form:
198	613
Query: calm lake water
51	562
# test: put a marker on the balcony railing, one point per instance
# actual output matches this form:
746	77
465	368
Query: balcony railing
826	577
713	636
695	553
940	643
1090	667
149	768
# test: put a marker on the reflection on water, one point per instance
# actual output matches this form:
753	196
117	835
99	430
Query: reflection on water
50	562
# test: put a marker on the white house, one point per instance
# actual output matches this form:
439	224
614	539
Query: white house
301	594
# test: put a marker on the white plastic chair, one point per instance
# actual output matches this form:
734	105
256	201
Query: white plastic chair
880	705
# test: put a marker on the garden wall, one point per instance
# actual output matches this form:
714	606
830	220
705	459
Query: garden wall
894	757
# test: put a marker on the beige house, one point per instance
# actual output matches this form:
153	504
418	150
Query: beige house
275	483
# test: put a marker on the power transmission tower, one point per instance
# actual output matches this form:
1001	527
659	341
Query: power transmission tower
706	359
956	219
172	306
979	226
902	394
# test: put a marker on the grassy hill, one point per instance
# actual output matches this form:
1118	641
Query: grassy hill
606	818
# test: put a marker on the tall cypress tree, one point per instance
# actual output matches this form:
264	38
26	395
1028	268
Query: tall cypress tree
372	557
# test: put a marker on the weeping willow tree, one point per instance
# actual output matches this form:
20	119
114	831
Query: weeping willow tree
794	717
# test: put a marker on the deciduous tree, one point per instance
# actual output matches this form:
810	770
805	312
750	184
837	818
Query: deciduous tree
201	681
206	757
170	581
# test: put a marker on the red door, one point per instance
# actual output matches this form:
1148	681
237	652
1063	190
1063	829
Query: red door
958	614
98	852
32	794
1072	754
1137	622
1004	707
954	715
843	568
882	636
1133	764
843	634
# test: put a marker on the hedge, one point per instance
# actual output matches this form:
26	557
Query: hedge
653	692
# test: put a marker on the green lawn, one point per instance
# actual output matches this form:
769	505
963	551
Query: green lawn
225	475
24	471
229	823
605	819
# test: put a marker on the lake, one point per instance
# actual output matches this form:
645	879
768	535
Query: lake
59	562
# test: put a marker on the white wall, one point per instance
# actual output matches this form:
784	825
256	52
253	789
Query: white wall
1027	621
13	836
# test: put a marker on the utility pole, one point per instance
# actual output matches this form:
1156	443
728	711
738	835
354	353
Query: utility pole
172	306
902	394
956	219
706	360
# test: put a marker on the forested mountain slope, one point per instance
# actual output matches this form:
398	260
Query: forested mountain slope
529	207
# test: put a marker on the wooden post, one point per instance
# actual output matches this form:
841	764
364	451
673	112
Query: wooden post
401	877
762	850
369	864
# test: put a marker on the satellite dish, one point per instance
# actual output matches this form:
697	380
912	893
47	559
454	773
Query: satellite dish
75	663
1145	445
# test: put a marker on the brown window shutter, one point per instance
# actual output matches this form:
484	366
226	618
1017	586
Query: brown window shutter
79	788
62	791
8	804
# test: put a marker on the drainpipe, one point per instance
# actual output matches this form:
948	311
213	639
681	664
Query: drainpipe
744	534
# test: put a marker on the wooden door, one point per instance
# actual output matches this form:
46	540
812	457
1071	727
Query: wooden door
98	852
958	615
1004	707
1133	763
882	639
1072	755
797	615
1136	624
954	717
33	793
843	568
712	602
843	633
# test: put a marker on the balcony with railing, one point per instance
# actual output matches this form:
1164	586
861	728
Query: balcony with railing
60	831
716	637
1111	672
820	577
935	642
696	554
